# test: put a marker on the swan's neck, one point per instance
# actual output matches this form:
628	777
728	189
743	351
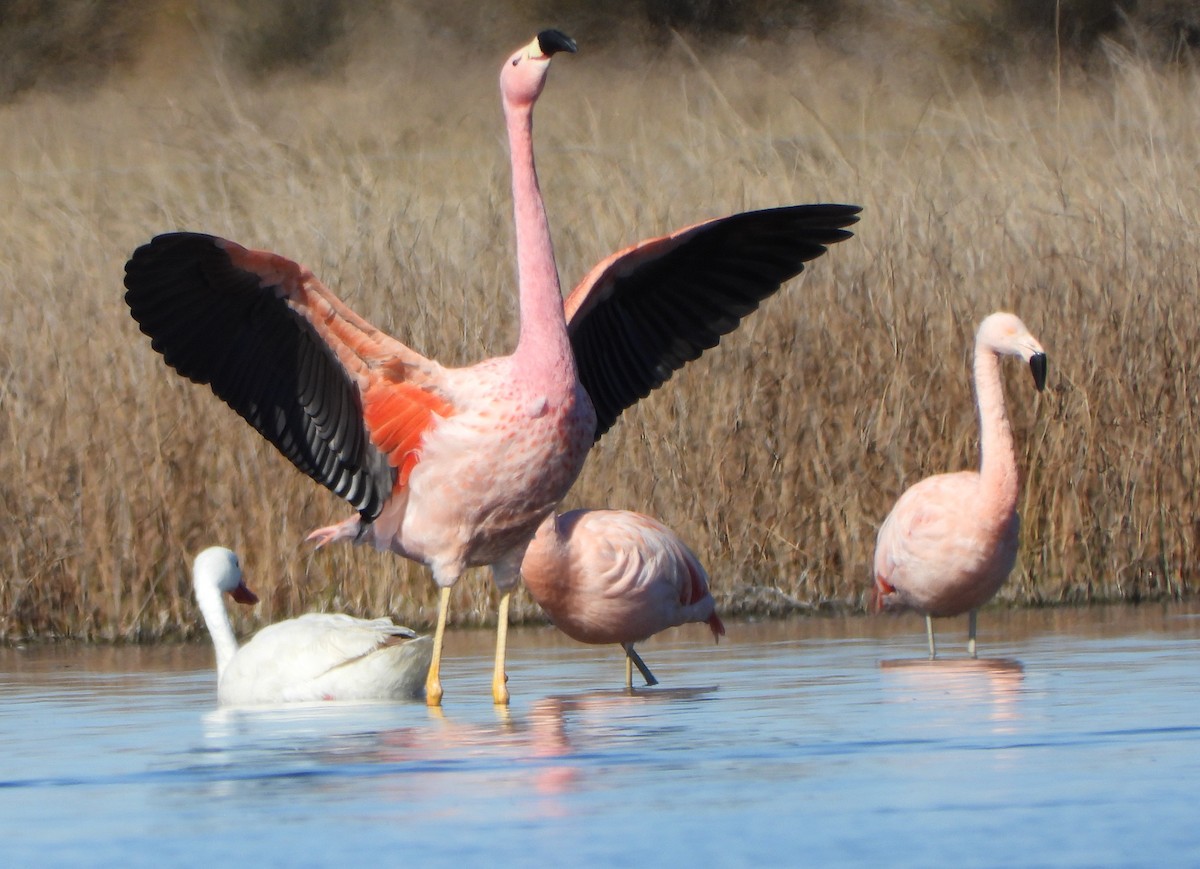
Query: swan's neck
216	619
998	461
543	343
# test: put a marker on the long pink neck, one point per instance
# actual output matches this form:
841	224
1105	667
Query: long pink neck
998	465
543	342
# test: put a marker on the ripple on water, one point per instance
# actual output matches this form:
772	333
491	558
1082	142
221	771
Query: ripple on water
1073	741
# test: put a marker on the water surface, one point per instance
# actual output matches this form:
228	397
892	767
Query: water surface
1074	741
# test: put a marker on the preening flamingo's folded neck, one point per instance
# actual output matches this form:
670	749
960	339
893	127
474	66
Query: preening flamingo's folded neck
543	340
998	465
546	564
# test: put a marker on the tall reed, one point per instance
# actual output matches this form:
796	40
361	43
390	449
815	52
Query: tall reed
1072	202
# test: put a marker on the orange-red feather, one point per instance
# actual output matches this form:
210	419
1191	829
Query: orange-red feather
398	414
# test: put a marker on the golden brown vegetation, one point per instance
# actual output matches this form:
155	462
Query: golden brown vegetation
1066	194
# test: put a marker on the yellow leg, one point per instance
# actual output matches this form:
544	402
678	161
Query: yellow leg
499	679
628	673
433	682
971	632
929	631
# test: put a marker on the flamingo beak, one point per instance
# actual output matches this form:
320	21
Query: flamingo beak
879	590
1037	364
241	594
553	41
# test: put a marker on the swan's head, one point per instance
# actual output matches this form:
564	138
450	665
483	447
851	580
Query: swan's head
1005	334
524	73
218	567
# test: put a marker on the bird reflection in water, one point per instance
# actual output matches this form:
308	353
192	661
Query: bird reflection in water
960	684
547	753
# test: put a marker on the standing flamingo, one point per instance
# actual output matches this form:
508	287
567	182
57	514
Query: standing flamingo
951	540
316	656
611	576
451	467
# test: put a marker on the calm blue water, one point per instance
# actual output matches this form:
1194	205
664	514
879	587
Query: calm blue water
812	741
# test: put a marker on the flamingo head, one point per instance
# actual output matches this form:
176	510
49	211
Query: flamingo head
716	626
524	73
879	592
1005	334
220	567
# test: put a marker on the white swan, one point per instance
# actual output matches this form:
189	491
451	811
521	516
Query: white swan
318	656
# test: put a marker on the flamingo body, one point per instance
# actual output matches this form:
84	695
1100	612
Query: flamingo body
939	556
457	467
951	540
488	473
613	576
317	656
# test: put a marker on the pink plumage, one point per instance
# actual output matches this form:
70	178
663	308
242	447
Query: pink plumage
456	467
612	576
951	540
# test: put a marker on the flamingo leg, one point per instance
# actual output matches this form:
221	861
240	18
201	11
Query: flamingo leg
632	657
929	631
971	632
433	682
499	678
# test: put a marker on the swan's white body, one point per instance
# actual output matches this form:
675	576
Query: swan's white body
318	656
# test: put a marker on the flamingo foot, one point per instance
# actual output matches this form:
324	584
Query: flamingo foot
433	691
349	529
500	690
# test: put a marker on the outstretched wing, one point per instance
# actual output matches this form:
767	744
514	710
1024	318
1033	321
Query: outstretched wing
644	312
285	353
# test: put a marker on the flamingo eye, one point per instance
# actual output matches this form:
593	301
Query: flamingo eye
515	61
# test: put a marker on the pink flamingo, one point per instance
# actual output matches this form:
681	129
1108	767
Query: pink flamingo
611	576
951	540
456	468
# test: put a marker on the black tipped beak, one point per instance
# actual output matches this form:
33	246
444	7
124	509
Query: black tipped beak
1037	364
554	41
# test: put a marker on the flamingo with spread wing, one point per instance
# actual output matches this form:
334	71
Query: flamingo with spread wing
457	467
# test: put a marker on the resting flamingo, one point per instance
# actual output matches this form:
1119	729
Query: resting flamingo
318	656
612	576
951	540
457	467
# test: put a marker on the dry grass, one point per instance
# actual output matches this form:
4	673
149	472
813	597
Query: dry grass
1071	200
